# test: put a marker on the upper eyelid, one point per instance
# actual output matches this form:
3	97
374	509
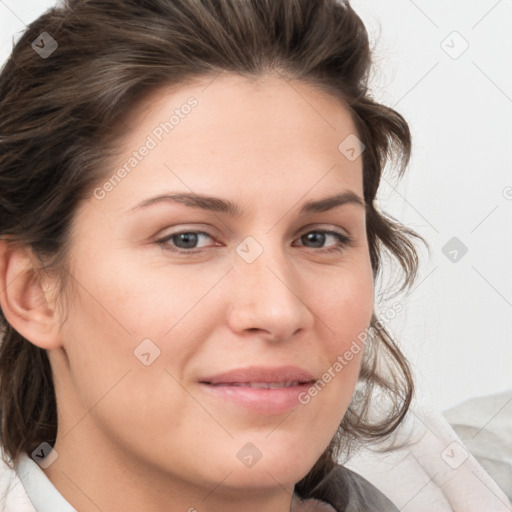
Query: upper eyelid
304	229
301	232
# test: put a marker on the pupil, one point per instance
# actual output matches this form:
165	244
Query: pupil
316	238
190	240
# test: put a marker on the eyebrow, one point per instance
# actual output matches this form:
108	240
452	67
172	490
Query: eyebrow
216	204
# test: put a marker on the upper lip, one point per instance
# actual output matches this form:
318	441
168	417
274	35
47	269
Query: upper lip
261	374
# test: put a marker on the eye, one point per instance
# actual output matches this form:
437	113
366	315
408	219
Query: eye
183	241
318	237
186	242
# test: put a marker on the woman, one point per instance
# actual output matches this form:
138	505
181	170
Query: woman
189	250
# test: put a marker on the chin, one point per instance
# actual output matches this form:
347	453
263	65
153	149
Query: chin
266	464
263	477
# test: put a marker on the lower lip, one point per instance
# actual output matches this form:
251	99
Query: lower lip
261	400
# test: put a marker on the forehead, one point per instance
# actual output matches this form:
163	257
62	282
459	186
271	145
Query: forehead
239	134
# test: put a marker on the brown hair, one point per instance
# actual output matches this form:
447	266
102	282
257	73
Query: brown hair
59	122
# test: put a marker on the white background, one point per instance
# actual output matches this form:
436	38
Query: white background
456	323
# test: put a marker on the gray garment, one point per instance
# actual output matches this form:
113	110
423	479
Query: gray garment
347	491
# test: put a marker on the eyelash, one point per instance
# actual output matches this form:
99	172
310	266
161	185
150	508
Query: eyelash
343	241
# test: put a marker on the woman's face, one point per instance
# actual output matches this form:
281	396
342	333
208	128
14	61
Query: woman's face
171	341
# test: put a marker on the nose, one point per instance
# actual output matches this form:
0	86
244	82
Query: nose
268	297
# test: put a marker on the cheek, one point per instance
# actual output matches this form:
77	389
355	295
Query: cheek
347	311
152	299
111	381
98	345
345	304
122	305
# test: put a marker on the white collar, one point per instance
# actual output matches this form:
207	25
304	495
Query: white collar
42	493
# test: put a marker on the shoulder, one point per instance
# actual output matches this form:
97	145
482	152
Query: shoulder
347	491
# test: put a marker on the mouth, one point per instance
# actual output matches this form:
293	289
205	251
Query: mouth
261	385
260	389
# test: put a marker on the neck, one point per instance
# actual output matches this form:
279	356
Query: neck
91	474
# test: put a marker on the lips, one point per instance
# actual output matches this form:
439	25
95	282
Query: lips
261	385
254	375
262	390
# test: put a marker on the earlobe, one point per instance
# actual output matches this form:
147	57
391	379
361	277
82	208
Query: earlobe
22	297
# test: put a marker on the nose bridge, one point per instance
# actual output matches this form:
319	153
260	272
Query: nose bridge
267	288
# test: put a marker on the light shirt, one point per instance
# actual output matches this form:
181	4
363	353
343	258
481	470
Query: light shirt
28	489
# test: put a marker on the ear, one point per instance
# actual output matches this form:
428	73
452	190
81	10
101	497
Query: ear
25	300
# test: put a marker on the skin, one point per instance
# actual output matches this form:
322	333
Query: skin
133	437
